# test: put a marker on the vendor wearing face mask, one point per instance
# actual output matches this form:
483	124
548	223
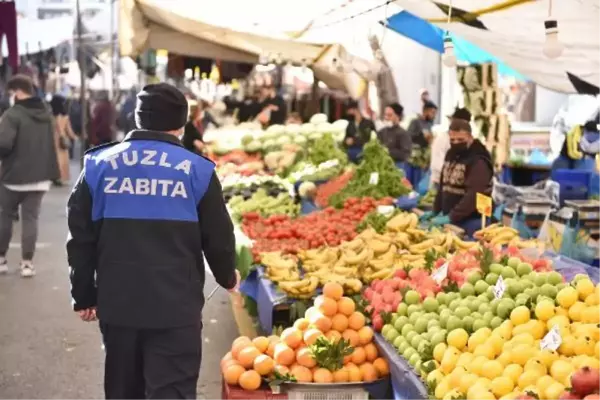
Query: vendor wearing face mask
467	170
392	136
358	131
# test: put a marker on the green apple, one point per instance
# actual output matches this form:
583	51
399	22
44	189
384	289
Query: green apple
491	278
392	335
412	297
496	268
515	288
555	278
406	329
494	305
478	324
467	290
462	312
524	269
508	272
548	290
481	287
453	323
403	346
454	304
468	323
496	322
421	325
474	277
484	307
409	352
442	298
540	279
400	322
402	309
398	341
386	329
474	305
430	304
437	338
513	262
414	360
416	341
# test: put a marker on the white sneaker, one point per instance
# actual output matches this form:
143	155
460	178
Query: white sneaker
27	270
3	266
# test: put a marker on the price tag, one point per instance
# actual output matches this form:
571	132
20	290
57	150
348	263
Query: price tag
441	273
552	340
385	210
499	288
374	178
483	204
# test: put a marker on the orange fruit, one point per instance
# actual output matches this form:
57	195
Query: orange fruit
348	359
232	374
356	321
326	305
359	356
302	374
239	345
283	354
368	372
333	336
250	380
321	322
346	306
322	375
301	324
263	365
381	366
282	369
305	358
292	337
229	363
311	312
247	355
226	357
354	374
365	335
240	339
271	349
341	375
333	290
339	322
261	343
351	336
311	336
371	352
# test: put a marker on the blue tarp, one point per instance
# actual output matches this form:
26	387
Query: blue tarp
431	36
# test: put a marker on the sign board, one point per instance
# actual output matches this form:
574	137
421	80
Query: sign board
440	274
483	204
552	340
374	178
499	288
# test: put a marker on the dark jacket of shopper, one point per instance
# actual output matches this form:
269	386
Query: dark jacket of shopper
398	142
463	176
27	143
361	132
190	135
140	217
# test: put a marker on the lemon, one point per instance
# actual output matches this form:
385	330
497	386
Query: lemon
584	346
591	300
544	310
520	315
435	377
476	366
502	386
524	338
537	329
466	382
504	358
458	338
449	360
456	375
532	390
544	381
591	362
492	369
567	347
591	315
484	383
584	287
536	365
554	390
464	359
575	311
497	343
513	371
506	329
453	394
442	388
438	351
522	353
487	395
548	357
528	378
561	311
567	296
561	370
485	350
597	350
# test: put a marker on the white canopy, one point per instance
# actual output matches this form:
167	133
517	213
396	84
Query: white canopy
34	35
513	31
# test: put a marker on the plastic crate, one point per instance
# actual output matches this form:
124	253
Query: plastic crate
574	184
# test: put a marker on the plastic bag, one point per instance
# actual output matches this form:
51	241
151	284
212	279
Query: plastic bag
575	242
510	195
518	223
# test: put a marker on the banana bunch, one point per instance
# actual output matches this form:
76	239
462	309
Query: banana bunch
460	244
527	243
406	259
279	267
402	222
496	234
300	289
319	259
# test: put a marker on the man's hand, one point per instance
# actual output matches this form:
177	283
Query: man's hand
238	278
349	141
87	315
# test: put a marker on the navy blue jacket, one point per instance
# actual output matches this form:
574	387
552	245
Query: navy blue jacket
140	216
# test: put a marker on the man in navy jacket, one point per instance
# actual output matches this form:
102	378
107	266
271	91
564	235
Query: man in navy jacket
140	217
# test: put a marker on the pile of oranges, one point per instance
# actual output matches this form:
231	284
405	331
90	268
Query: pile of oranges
332	316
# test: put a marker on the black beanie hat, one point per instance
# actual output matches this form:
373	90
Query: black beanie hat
160	107
461	113
397	108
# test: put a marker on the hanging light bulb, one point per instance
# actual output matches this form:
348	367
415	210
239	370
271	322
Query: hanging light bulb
448	58
553	48
263	59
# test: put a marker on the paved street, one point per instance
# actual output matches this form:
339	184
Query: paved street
46	351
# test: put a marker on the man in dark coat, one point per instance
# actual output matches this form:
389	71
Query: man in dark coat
395	138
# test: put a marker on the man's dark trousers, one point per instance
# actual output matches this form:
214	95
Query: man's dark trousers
151	363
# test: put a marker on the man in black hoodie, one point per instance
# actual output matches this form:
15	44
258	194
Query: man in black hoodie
467	170
29	166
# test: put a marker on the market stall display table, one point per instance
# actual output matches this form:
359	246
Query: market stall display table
524	174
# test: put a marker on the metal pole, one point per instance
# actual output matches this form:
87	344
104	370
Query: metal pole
111	90
82	90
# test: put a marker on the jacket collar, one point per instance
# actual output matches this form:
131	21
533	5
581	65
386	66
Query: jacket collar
143	134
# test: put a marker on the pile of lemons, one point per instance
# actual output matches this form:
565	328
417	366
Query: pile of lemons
509	360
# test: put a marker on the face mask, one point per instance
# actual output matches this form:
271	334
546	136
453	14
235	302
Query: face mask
458	148
11	100
388	124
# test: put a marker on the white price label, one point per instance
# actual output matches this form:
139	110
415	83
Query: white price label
441	273
385	210
552	340
499	288
374	178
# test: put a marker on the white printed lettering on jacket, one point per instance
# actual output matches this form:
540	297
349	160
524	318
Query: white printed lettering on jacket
146	157
144	187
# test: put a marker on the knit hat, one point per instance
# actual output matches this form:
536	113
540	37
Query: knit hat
397	108
160	107
461	113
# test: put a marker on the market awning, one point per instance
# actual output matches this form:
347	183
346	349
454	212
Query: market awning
432	37
35	35
513	32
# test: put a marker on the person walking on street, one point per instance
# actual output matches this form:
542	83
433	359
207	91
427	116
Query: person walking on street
140	216
29	165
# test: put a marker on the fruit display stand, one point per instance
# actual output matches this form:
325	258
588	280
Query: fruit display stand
569	268
405	383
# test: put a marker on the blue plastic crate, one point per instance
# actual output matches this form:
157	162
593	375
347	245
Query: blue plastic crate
574	184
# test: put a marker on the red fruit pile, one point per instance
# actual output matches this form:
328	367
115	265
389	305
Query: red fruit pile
384	296
585	384
327	227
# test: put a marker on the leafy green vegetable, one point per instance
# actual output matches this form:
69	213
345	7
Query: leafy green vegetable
376	220
329	354
325	149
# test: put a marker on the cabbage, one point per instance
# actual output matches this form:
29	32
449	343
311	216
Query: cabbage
276	129
307	129
270	145
253	146
340	125
301	140
247	139
315	136
293	129
325	127
318	119
283	140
